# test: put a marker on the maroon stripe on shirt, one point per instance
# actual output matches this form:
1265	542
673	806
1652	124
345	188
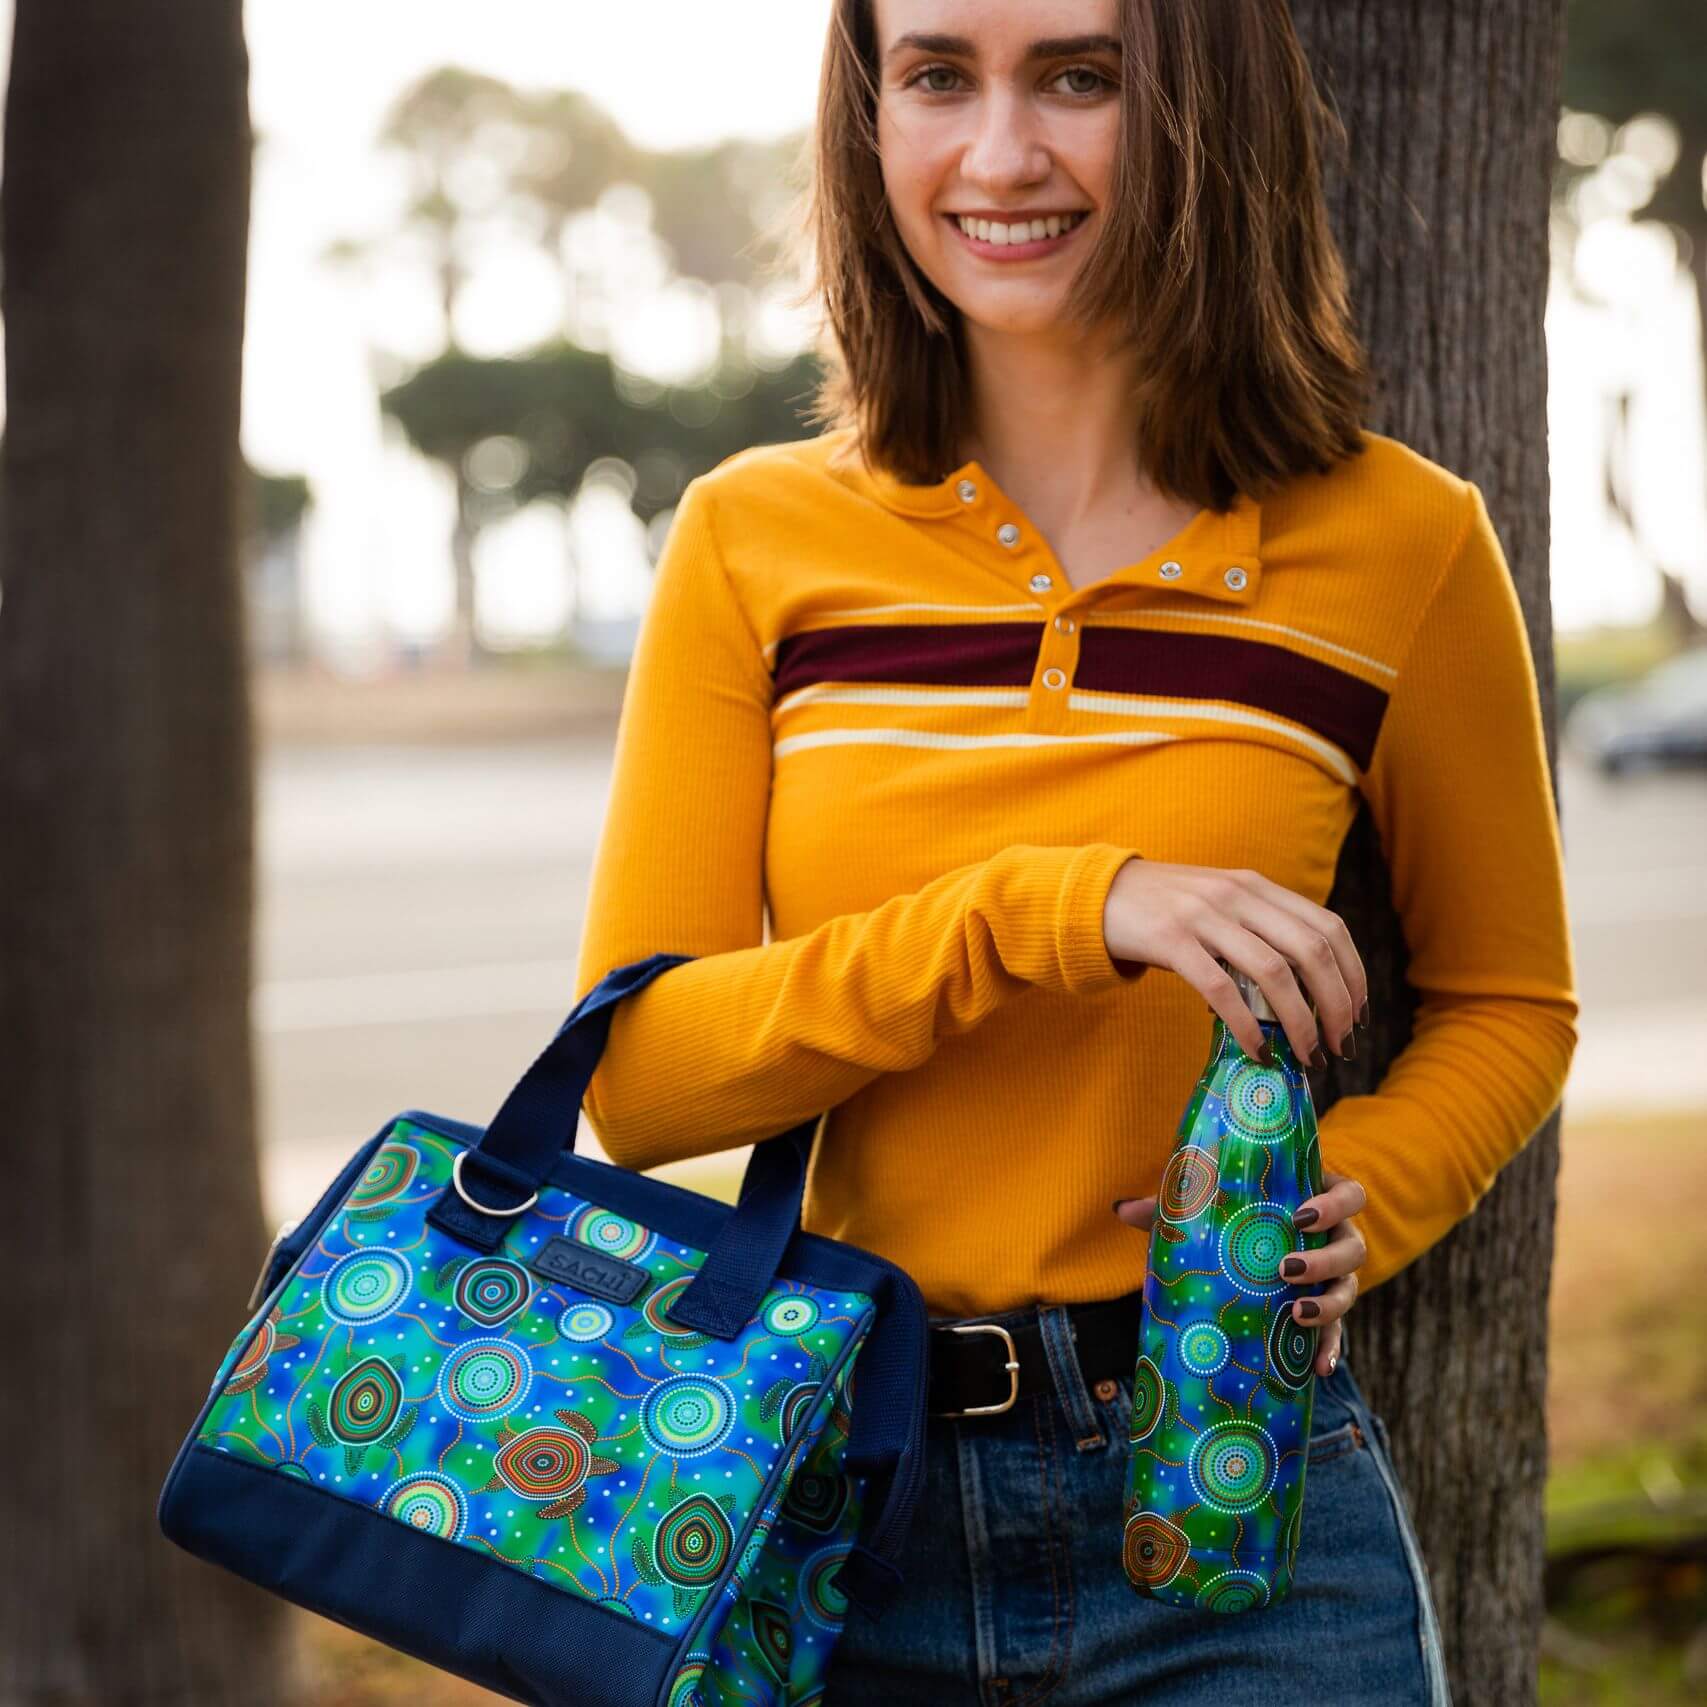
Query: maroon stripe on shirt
1336	705
960	654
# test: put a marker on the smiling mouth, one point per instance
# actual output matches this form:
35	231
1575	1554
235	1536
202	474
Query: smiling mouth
1013	234
995	242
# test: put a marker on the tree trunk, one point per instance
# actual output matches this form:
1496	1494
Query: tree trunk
1678	202
463	643
1689	628
1441	208
134	1224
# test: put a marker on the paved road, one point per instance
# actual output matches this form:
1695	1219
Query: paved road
420	908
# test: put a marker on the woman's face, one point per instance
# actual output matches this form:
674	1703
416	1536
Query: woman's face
1007	111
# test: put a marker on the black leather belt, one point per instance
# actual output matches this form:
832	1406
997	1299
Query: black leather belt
986	1368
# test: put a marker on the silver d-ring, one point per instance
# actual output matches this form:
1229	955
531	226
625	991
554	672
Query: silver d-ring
461	1191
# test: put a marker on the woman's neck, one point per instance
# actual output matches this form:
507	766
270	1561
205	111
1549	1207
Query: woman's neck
1052	421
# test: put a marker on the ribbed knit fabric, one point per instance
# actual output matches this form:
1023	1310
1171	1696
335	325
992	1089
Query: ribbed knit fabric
881	713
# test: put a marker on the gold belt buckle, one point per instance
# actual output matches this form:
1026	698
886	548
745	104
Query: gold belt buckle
1012	1367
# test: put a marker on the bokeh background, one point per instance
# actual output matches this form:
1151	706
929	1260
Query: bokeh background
509	281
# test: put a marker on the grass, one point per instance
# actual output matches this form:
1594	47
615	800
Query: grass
1629	1299
1627	1409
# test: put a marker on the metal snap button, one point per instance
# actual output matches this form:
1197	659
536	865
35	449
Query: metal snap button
1065	624
1170	571
1053	678
1008	534
968	490
1105	1389
1041	583
1235	578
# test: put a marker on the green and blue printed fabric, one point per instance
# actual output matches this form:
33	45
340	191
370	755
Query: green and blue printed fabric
613	1453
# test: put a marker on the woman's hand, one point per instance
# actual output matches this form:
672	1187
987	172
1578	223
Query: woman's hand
1337	1205
1184	916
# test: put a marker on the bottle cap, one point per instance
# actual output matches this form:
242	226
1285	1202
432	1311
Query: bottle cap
1250	990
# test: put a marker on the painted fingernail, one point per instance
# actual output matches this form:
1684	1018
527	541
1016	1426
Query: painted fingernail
1266	1054
1309	1308
1292	1265
1363	1014
1303	1217
1348	1045
1318	1058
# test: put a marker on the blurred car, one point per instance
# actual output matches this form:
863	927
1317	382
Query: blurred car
1658	719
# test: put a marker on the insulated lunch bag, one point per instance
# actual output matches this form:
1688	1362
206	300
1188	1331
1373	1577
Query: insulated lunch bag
561	1428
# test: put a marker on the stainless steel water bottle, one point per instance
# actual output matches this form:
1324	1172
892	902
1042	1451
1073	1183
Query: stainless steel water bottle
1225	1383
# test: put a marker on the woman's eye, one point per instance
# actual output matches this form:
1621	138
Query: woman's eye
932	71
1098	81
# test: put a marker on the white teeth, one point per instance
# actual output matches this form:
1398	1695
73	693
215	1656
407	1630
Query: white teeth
1032	231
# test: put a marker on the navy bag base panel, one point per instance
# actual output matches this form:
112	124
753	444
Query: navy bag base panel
508	1632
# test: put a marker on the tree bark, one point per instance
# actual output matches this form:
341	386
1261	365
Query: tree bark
1441	208
134	1223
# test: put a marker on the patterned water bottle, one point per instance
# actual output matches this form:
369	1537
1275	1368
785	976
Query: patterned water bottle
1225	1382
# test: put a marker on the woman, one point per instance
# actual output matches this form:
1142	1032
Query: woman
1050	673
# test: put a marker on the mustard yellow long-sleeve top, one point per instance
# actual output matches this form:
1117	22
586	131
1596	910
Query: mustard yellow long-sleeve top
881	714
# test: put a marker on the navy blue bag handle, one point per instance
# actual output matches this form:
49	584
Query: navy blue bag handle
536	1124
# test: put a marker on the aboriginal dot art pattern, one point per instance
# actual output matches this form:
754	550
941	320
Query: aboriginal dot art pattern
609	1451
1223	1391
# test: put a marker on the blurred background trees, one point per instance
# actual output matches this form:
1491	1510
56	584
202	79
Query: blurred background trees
1632	143
483	159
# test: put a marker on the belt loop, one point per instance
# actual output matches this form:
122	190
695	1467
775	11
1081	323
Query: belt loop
1057	1332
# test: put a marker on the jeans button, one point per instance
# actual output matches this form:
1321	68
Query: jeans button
1106	1389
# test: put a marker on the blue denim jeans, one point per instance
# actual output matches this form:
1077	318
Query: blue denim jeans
1015	1592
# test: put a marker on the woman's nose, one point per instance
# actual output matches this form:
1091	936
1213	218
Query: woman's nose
1005	150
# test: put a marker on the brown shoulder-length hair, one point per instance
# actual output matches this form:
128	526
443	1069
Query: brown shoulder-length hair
1215	260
